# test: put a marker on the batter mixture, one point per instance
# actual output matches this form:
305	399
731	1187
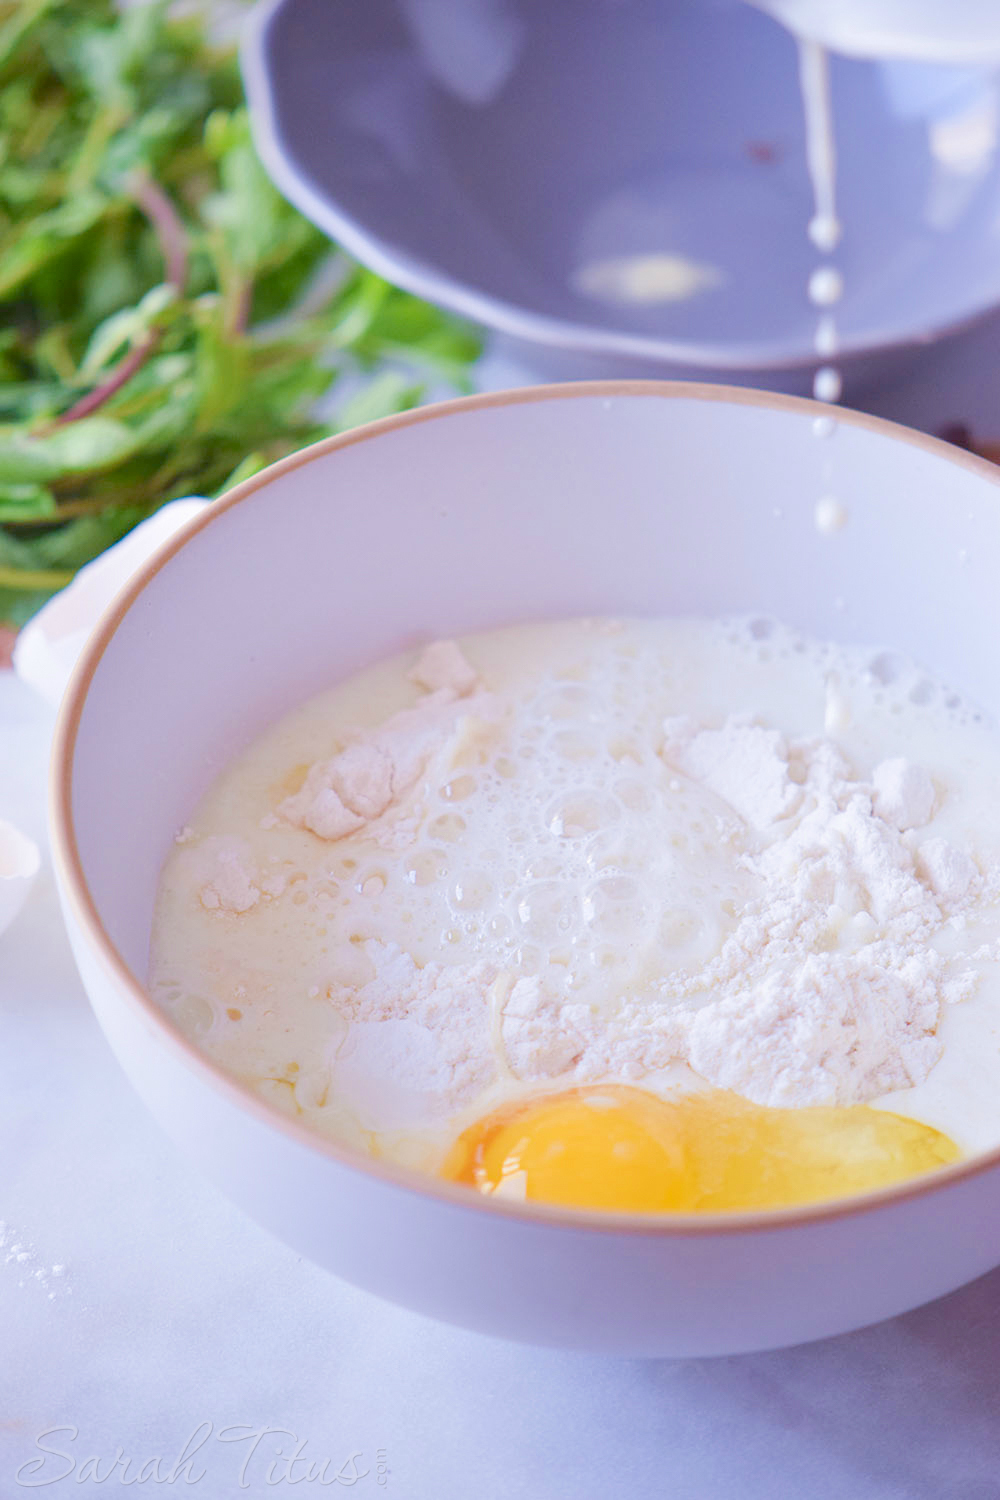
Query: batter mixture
662	914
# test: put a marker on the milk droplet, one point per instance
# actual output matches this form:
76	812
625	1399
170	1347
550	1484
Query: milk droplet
825	340
827	384
830	515
826	286
824	427
825	231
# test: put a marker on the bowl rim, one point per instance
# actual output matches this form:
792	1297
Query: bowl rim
81	903
424	279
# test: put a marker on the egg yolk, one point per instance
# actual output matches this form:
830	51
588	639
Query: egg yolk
623	1149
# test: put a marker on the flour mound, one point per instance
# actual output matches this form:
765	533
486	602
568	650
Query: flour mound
542	1034
446	1006
949	872
835	1031
442	664
904	793
828	990
226	877
744	764
375	770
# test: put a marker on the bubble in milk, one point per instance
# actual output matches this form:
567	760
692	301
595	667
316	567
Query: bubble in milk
614	908
448	828
473	890
635	795
458	788
548	910
583	812
194	1014
424	867
887	667
569	702
574	744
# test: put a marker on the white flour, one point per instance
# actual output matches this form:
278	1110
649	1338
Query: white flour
829	992
373	772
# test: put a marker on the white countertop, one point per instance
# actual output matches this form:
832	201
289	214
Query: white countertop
140	1312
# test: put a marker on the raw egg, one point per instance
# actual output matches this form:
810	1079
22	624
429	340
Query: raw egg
626	1150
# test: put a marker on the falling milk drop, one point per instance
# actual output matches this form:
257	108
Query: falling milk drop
826	284
830	515
827	384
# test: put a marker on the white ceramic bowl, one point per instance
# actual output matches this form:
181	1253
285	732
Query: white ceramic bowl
609	498
486	153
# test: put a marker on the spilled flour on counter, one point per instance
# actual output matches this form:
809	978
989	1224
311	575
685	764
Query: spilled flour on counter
23	1260
555	859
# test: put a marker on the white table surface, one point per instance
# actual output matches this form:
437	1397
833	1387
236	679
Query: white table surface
139	1310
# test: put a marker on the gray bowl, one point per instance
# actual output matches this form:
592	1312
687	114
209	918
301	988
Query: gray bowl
516	159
